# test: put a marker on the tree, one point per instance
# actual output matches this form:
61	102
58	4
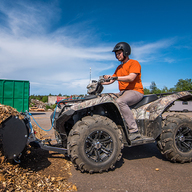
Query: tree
183	85
165	90
146	91
171	90
45	99
154	89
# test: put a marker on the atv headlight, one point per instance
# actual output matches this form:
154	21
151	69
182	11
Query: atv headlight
94	88
91	88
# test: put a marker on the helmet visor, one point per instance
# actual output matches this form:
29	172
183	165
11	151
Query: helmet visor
117	48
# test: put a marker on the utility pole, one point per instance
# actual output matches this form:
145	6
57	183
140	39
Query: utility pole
90	74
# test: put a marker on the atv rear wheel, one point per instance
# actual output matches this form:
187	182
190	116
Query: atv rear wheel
95	144
176	139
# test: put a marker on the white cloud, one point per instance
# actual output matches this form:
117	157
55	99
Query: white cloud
147	52
56	62
169	60
146	84
47	60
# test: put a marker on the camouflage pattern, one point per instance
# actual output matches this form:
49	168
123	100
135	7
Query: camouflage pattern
92	87
149	111
152	110
104	98
100	99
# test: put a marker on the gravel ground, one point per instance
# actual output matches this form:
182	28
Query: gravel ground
142	168
39	170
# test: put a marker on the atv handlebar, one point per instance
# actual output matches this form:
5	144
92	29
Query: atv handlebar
102	79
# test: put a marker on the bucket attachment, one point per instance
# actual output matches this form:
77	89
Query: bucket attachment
14	135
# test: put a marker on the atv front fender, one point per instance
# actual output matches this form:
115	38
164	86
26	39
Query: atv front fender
152	110
99	100
104	98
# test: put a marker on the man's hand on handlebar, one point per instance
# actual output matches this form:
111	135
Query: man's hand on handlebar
108	79
107	76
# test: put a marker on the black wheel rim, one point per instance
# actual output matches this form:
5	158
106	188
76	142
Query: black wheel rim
98	146
183	139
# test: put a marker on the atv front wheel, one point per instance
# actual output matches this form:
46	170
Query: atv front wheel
95	144
176	139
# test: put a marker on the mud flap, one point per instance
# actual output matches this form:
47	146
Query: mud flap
14	135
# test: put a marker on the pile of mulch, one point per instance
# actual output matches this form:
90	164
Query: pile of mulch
7	111
38	105
39	170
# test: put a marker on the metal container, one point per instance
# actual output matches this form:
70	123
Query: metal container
15	93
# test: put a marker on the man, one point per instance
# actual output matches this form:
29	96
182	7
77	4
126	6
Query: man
128	75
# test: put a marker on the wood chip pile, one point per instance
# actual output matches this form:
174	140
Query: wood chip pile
37	105
39	170
7	111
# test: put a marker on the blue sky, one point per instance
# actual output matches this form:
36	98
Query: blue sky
54	43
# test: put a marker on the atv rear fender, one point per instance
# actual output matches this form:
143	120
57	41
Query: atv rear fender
156	108
149	116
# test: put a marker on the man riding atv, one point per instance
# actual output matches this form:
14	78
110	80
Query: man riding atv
128	75
93	131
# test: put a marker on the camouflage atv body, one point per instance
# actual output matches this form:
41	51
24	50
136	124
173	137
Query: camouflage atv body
94	132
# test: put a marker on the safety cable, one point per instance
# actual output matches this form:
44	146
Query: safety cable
52	119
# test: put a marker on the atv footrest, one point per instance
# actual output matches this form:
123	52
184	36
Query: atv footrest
55	148
142	140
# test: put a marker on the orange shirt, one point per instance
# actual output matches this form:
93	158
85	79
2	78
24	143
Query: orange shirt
131	66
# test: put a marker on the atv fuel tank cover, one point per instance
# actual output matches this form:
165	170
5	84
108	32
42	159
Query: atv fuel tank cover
14	135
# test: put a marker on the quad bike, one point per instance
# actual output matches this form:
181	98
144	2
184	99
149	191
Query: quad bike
92	131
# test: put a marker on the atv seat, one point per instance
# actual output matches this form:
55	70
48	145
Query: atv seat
146	99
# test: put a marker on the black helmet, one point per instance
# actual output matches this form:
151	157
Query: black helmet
123	46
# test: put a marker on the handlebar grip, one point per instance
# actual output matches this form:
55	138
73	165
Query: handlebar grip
114	78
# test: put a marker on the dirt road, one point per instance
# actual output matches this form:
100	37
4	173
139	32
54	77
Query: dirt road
142	168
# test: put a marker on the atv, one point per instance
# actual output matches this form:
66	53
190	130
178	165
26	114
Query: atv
92	130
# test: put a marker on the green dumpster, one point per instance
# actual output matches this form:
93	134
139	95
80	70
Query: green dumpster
15	93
